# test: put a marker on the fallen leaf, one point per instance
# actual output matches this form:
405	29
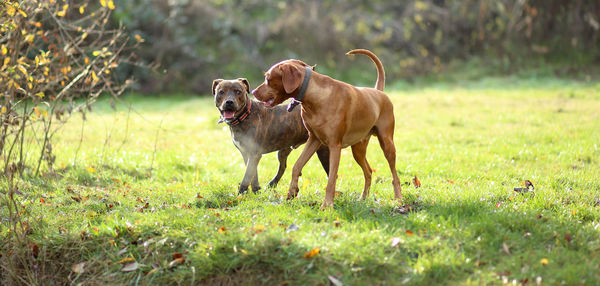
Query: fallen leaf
222	230
409	232
78	268
292	227
416	182
176	262
568	237
528	187
334	280
313	252
450	181
126	259
130	267
544	261
177	255
505	248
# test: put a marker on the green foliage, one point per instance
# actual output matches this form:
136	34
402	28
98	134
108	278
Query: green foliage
194	42
158	190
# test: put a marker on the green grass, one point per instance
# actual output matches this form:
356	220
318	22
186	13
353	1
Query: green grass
161	181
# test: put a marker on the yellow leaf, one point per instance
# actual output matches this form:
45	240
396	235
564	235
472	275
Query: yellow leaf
84	35
37	24
126	259
4	50
82	9
40	94
6	61
61	13
23	13
111	5
29	38
86	60
94	77
10	10
138	38
3	110
103	3
544	261
96	53
22	69
310	254
91	170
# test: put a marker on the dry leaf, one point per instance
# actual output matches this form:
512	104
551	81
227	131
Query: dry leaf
505	248
177	255
126	259
416	182
568	237
78	268
334	280
310	254
130	267
176	262
409	233
222	230
396	241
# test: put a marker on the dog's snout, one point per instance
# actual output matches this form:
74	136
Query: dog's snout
229	102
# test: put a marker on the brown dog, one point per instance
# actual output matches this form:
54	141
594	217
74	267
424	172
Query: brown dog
336	115
257	130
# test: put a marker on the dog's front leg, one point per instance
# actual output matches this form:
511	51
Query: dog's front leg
334	164
250	176
311	146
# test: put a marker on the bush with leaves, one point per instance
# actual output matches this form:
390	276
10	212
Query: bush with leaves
57	58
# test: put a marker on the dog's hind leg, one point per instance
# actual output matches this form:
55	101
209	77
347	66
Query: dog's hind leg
385	134
282	157
359	151
323	154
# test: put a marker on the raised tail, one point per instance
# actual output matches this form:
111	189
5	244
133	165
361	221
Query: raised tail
380	84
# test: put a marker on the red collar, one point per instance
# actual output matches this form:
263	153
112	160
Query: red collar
241	117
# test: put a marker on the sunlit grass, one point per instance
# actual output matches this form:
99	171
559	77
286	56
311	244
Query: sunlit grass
160	180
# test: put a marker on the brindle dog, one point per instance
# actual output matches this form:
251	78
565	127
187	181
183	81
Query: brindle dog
257	130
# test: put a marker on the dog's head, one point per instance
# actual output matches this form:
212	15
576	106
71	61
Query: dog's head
231	96
282	81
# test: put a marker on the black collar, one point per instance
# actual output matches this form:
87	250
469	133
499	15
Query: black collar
240	118
298	98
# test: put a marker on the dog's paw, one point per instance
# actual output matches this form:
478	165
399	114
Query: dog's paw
272	184
255	189
292	194
242	190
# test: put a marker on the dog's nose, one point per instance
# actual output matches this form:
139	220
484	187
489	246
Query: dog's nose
229	102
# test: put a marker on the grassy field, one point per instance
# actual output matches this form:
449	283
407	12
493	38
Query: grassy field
149	196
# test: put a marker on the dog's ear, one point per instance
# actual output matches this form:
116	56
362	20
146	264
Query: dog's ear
245	83
291	76
215	83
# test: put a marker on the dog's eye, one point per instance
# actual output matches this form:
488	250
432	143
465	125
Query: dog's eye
221	92
237	92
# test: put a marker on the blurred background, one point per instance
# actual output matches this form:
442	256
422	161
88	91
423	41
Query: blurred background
189	43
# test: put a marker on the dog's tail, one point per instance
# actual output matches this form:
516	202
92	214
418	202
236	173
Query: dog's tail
380	84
